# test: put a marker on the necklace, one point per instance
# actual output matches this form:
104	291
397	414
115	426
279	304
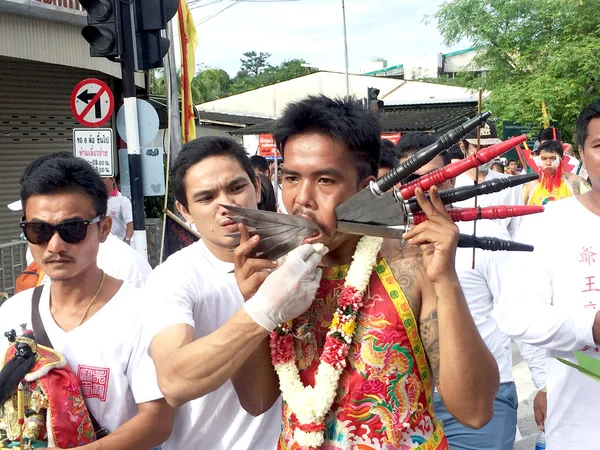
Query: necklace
309	405
89	305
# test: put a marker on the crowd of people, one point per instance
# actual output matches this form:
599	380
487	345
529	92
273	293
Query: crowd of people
348	342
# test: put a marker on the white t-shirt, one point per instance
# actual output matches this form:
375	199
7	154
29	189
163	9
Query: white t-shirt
512	196
118	260
122	261
119	208
481	287
193	287
106	353
551	302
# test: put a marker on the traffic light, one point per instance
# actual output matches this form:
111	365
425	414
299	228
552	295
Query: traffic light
103	31
151	17
374	103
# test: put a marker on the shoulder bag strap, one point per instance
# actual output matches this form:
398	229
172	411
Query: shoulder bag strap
41	338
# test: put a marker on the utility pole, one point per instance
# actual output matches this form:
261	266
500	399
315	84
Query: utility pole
346	51
129	32
128	65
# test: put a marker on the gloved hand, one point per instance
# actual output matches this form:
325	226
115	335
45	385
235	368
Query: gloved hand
288	291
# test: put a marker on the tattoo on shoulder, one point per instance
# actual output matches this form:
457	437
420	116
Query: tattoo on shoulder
406	265
430	336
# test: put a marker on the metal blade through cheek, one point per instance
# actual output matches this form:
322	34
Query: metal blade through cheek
351	209
284	247
264	232
264	217
393	232
270	242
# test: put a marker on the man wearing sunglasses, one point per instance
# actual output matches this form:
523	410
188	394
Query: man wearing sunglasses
115	257
90	317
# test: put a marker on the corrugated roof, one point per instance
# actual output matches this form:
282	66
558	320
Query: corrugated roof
430	118
433	118
238	119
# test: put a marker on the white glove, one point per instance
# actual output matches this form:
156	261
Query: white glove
289	290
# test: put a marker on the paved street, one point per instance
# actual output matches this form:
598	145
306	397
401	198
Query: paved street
526	392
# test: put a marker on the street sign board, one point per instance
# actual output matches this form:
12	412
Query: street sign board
393	137
92	102
148	122
153	171
96	147
267	146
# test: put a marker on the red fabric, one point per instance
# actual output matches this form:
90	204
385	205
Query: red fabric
381	401
553	182
69	418
70	421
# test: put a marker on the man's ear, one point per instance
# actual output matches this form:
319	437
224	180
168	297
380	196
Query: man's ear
366	181
105	227
184	212
581	151
258	189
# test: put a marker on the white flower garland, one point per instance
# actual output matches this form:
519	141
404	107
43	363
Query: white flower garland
311	405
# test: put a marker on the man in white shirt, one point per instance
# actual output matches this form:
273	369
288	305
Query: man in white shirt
120	210
209	346
481	286
552	300
116	258
91	318
511	196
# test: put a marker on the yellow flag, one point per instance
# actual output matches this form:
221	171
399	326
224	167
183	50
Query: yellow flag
545	116
189	44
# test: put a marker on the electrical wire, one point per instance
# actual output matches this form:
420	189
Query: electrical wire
236	2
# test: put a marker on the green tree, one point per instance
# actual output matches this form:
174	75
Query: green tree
287	70
254	64
157	82
535	51
210	84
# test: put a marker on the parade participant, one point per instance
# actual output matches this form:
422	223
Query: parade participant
209	346
554	184
87	316
267	200
116	258
511	196
365	342
548	134
120	210
511	167
481	284
497	166
51	406
552	300
387	160
260	165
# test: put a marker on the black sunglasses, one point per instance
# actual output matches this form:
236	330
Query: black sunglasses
70	231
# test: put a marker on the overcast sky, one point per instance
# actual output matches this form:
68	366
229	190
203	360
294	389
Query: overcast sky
313	30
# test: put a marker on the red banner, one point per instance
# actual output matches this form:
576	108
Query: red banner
394	137
267	146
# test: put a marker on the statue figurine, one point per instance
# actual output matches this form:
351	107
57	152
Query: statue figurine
51	405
